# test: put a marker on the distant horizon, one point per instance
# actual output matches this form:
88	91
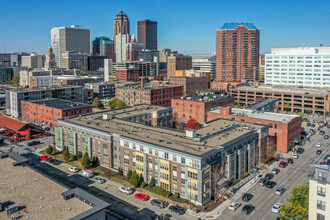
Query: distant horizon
189	27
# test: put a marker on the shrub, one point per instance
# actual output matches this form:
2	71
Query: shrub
120	171
73	157
66	155
143	184
245	175
235	182
160	191
49	150
129	174
134	180
85	161
186	201
152	182
176	195
268	160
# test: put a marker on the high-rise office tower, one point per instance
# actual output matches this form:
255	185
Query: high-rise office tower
103	46
237	52
74	38
121	24
147	34
121	47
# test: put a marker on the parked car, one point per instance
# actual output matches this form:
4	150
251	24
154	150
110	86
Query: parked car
73	169
247	197
270	184
44	157
321	132
300	150
290	160
295	156
126	189
280	190
248	209
177	209
313	125
275	171
283	164
141	196
326	136
160	203
98	180
308	124
47	129
328	126
262	182
269	176
32	143
318	151
54	161
276	208
87	173
234	206
319	144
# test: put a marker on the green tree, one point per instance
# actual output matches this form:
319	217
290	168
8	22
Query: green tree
120	171
27	137
66	155
261	78
116	103
96	102
297	207
85	161
129	174
49	150
152	182
134	180
15	80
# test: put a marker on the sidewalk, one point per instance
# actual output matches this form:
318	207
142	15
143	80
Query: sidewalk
223	206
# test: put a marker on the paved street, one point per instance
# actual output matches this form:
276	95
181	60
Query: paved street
293	175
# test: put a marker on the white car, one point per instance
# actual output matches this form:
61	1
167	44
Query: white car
280	190
98	180
73	169
295	156
126	189
276	208
234	206
318	145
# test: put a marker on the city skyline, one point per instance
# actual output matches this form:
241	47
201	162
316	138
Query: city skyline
191	28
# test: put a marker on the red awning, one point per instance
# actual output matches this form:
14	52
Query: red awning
23	133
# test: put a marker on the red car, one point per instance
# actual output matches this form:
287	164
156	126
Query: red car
283	164
44	157
141	196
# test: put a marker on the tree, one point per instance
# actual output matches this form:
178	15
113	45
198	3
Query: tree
15	80
27	137
49	150
286	106
141	179
85	161
129	174
192	124
120	171
297	207
261	78
116	103
218	173
134	180
96	102
152	182
66	155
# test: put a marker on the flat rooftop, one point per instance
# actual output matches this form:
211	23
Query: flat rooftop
164	137
41	197
261	115
205	97
22	90
150	86
285	89
112	82
59	104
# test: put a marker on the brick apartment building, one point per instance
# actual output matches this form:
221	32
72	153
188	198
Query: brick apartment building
47	112
190	84
127	74
282	128
154	93
178	62
220	86
198	105
310	101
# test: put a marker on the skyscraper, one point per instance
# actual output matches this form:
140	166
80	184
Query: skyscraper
121	47
147	34
121	25
50	62
237	52
103	46
74	38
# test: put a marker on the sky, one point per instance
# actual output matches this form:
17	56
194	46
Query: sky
188	26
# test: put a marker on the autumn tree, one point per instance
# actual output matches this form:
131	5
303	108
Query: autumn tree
66	155
297	208
85	161
117	103
15	80
192	124
96	102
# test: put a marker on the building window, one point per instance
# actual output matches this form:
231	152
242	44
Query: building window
164	185
105	150
320	205
164	166
321	191
320	216
175	188
150	160
322	177
270	125
174	158
126	153
183	181
183	160
174	168
192	175
183	191
166	155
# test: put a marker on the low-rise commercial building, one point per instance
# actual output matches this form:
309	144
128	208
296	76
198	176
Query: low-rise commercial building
73	60
178	62
47	112
319	188
284	130
190	84
179	161
154	93
127	74
204	63
291	99
197	106
33	61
